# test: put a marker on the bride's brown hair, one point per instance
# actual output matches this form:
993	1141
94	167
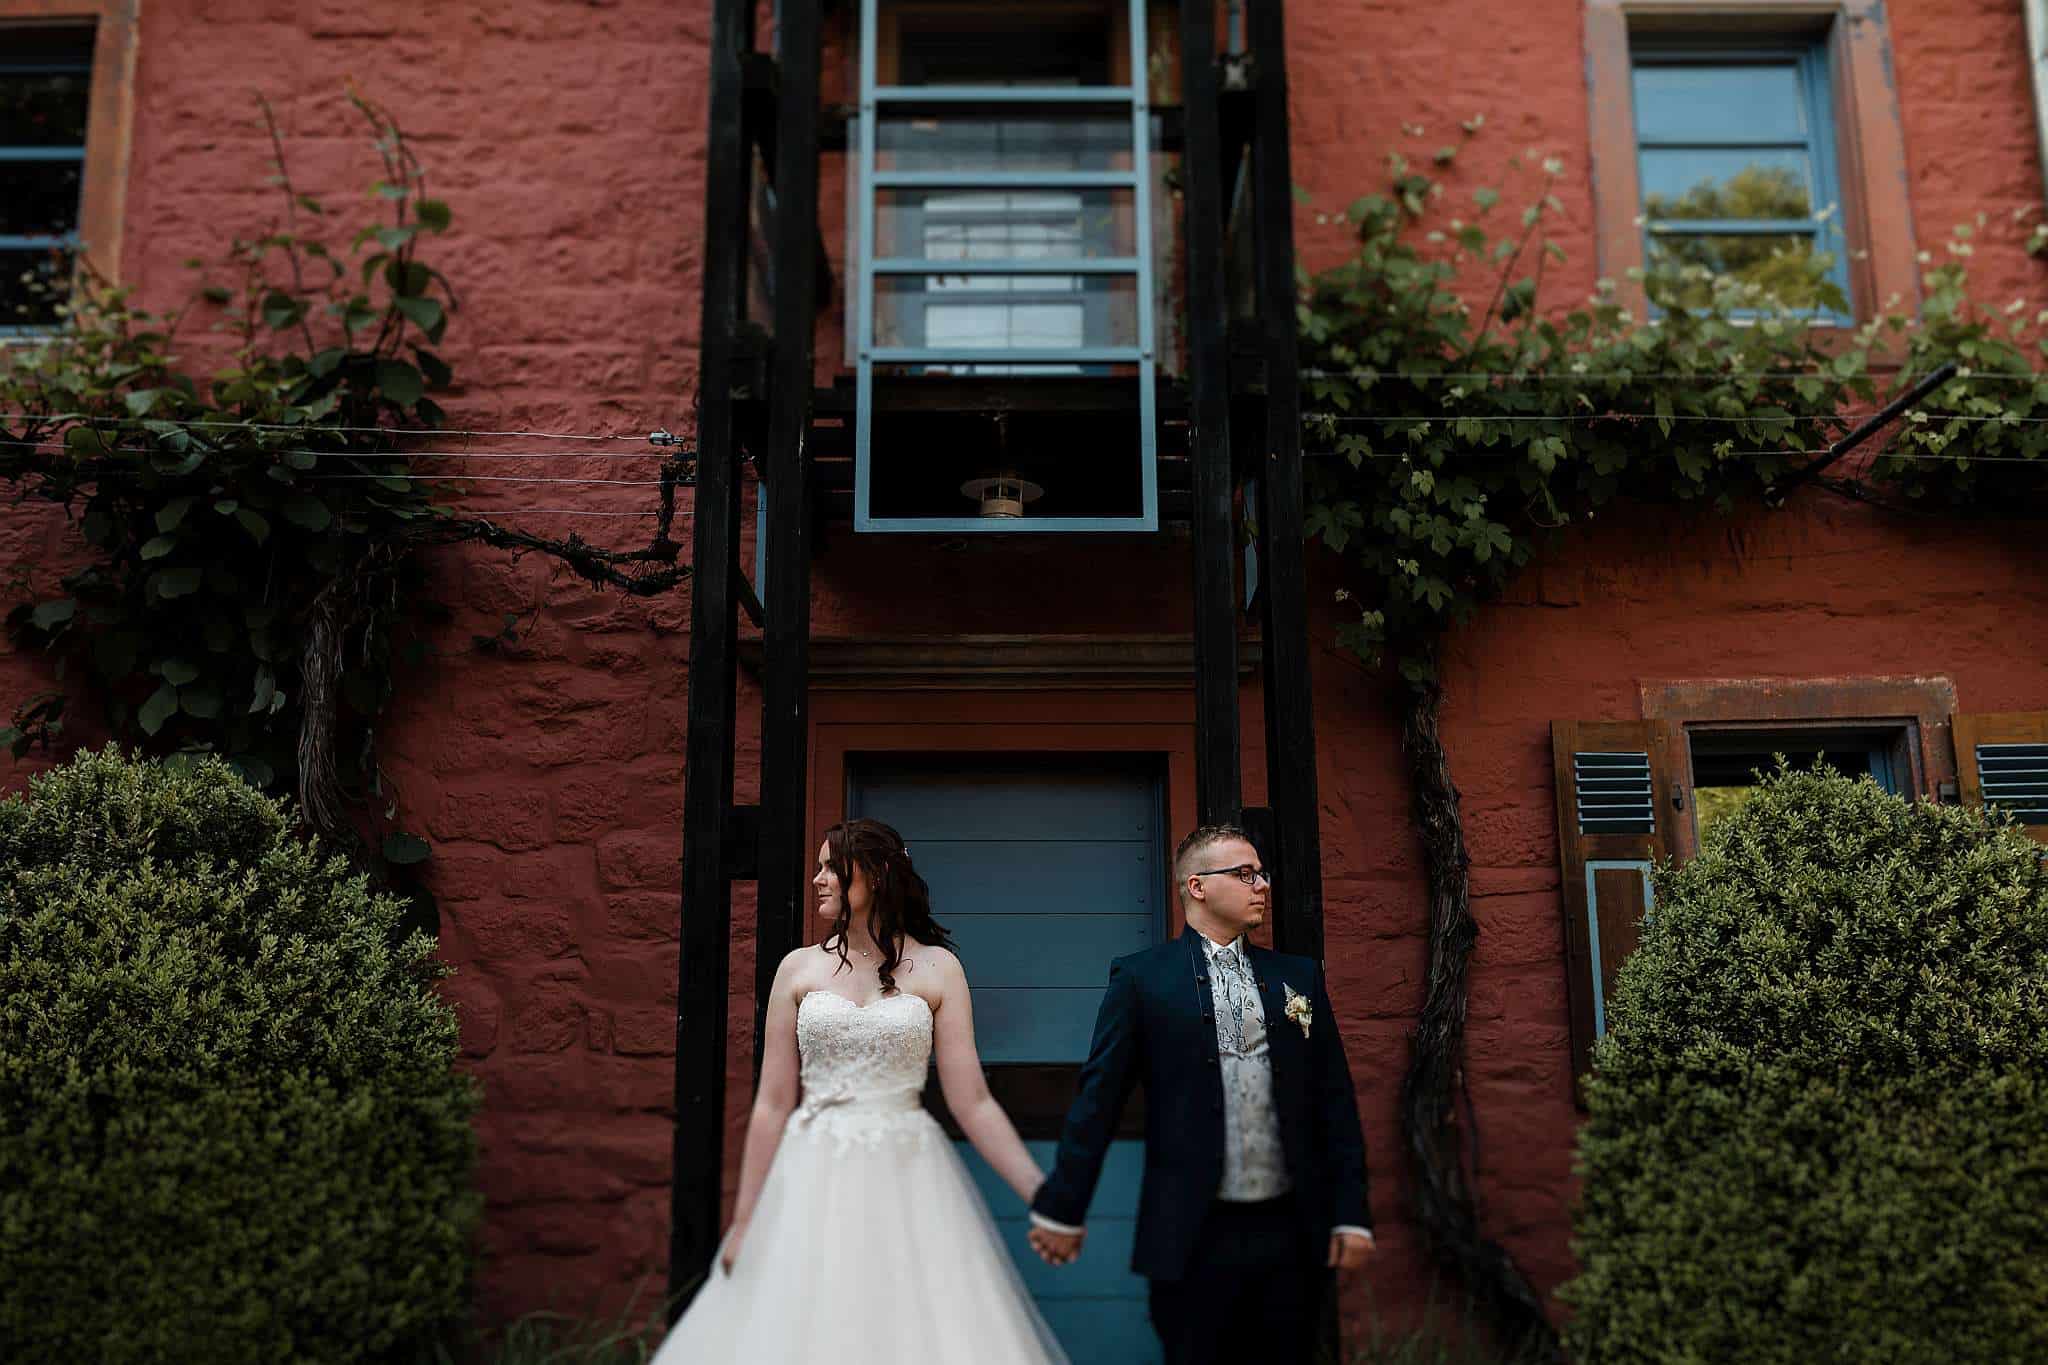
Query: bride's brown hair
899	902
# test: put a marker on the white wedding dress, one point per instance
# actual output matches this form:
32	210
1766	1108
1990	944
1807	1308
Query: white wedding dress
869	1242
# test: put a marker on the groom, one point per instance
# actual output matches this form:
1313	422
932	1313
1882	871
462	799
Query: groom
1254	1163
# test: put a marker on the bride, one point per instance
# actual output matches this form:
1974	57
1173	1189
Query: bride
857	1234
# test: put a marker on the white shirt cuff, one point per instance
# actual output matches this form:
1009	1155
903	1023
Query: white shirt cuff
1039	1220
1366	1233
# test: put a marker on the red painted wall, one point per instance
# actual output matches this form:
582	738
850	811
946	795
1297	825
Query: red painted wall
570	142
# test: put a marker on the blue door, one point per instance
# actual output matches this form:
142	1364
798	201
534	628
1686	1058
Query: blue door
1043	870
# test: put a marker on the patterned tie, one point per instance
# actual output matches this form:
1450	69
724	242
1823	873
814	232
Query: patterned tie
1242	992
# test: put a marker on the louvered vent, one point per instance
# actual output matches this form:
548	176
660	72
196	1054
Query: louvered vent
1613	791
2015	776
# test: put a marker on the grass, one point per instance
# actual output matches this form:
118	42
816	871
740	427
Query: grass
553	1337
1438	1338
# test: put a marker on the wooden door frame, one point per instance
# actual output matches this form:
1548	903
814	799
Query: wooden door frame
1003	724
888	720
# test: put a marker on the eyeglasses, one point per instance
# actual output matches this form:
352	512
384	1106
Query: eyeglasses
1244	872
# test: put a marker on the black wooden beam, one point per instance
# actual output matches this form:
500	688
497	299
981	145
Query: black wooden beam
784	875
1219	782
1283	566
743	843
704	970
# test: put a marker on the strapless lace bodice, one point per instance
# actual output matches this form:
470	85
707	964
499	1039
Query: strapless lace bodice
863	1067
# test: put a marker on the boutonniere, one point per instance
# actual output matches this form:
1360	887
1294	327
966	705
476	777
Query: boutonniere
1298	1008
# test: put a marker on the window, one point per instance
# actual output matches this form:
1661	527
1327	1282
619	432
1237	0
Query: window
977	312
45	83
1003	254
1725	763
1722	133
1736	164
1631	793
67	72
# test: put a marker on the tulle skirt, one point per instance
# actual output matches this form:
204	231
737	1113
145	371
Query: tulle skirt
869	1244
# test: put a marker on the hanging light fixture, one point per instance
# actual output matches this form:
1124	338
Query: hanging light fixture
1000	492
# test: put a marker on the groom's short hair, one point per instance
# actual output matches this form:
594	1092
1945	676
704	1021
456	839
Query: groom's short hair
1197	843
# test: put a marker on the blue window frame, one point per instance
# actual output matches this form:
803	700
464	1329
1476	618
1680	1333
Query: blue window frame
45	85
1736	157
1724	762
1002	228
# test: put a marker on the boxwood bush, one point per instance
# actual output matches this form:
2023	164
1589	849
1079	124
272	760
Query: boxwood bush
1818	1129
230	1127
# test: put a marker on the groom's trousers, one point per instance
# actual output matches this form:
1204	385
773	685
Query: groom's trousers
1248	1294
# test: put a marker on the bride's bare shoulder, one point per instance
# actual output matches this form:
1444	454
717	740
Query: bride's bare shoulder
940	969
800	969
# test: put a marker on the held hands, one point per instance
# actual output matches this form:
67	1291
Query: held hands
1056	1248
1348	1250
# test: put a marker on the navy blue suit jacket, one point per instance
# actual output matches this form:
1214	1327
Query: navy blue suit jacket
1156	1027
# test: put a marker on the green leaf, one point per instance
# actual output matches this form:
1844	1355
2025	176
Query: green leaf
407	277
305	510
140	401
395	237
405	849
435	369
156	547
48	615
176	582
423	313
171	513
254	770
281	310
255	523
176	672
204	703
85	442
325	362
355	313
161	706
400	382
433	215
266	689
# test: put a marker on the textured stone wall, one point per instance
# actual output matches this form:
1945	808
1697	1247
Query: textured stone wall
569	140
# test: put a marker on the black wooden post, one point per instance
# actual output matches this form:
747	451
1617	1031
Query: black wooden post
1283	572
784	872
704	970
1219	783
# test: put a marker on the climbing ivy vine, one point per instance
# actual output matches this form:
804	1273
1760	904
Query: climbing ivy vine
1460	422
252	585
